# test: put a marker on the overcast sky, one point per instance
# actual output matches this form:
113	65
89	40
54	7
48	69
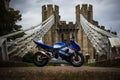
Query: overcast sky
106	12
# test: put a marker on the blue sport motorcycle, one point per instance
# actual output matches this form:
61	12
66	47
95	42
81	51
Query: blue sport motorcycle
69	53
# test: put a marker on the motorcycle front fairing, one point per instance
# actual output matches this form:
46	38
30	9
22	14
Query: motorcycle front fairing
74	45
68	51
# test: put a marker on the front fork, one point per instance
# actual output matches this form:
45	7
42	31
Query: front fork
75	55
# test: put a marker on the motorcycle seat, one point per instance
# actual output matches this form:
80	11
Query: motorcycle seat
42	45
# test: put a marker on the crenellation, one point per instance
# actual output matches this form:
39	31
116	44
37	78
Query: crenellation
44	13
49	10
90	13
84	6
95	23
63	22
108	31
77	14
98	26
56	13
84	10
102	27
50	6
56	8
70	23
90	7
43	7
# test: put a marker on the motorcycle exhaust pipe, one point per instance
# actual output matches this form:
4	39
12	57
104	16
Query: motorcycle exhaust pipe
44	53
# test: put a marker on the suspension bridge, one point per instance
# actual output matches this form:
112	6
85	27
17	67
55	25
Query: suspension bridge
18	47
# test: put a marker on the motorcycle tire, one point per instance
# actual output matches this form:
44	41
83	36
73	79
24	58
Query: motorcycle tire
77	60
40	59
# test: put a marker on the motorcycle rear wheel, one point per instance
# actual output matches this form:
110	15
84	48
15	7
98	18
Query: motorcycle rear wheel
77	60
40	59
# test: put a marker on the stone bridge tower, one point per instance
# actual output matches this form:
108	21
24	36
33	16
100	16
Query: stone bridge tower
51	36
87	48
61	31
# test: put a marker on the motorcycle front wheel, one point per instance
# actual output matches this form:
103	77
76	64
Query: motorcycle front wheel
77	60
40	59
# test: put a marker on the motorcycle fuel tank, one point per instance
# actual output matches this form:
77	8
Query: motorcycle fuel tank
59	45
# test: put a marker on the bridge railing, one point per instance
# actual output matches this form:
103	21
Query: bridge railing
19	45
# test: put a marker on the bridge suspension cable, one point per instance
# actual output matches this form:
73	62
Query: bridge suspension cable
39	33
20	44
97	36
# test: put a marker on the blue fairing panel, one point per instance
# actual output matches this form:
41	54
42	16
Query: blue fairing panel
61	43
75	45
42	45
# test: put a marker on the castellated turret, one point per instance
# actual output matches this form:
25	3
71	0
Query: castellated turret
44	13
90	13
78	13
86	11
47	10
86	46
57	16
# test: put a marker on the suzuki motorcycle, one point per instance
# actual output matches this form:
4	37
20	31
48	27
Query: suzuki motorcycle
69	53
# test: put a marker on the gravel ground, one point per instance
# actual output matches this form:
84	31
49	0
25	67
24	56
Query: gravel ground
62	68
59	73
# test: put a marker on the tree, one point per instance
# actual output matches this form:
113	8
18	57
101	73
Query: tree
8	20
